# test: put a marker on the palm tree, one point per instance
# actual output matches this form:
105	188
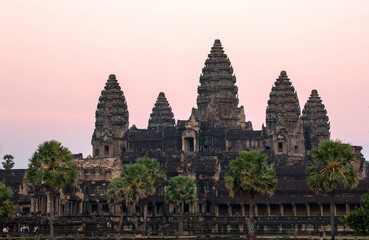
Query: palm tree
156	178
250	173
180	189
116	195
7	165
8	162
332	166
7	207
134	181
51	167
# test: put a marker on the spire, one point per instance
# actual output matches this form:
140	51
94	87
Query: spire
217	98
315	121
111	118
283	99
162	115
283	124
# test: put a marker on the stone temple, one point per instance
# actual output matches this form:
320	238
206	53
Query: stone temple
201	147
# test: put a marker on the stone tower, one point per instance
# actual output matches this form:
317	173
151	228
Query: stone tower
111	120
315	121
162	115
284	133
217	99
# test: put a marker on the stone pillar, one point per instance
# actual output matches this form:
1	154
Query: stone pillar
229	209
256	210
32	205
294	209
268	209
281	211
99	208
321	209
153	209
243	210
347	208
307	209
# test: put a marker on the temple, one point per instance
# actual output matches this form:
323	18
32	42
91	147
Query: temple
201	147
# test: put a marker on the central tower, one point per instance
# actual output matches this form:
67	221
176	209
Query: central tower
217	99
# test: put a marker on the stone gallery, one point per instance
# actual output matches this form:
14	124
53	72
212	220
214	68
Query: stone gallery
201	148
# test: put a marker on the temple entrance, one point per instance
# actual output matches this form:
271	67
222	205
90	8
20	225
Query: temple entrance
188	144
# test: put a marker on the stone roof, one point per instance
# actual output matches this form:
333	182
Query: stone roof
315	121
217	98
283	101
112	113
162	115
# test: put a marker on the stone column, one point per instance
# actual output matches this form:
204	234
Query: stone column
256	210
153	209
347	208
229	209
307	209
32	205
242	209
281	211
268	209
321	209
294	209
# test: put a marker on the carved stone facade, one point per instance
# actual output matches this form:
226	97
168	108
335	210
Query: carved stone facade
284	133
315	121
162	115
111	120
201	147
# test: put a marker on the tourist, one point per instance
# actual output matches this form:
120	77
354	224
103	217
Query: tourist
6	230
22	230
36	229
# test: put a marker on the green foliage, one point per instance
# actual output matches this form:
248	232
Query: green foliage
250	172
358	220
51	165
155	175
135	178
116	193
7	207
332	165
8	162
180	189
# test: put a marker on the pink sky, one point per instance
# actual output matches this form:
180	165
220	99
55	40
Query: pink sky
55	57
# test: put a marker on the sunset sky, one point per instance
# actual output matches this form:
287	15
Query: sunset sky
55	57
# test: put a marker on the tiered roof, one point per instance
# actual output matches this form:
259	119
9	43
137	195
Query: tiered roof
217	94
162	115
315	120
112	113
283	102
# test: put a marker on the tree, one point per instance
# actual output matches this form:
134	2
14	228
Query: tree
180	189
51	166
134	182
332	166
358	220
116	194
155	176
250	173
7	207
8	162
